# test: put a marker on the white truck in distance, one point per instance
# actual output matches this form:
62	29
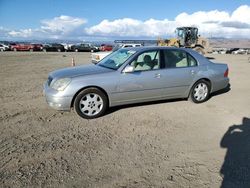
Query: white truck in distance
98	56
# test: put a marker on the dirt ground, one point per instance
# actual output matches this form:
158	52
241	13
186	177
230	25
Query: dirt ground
162	144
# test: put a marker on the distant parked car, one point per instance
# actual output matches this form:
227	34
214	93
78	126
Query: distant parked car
230	51
54	47
24	47
135	75
105	47
38	47
96	57
67	47
85	47
240	51
4	47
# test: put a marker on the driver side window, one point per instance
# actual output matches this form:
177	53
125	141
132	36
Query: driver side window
147	61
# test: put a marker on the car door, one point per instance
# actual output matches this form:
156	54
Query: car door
144	83
179	72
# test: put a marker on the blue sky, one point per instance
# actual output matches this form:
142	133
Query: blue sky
29	19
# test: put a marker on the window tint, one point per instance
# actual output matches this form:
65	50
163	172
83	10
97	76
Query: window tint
191	61
175	58
147	61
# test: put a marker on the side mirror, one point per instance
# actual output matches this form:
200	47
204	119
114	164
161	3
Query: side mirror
128	69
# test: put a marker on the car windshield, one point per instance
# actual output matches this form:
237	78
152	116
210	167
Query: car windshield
116	59
117	47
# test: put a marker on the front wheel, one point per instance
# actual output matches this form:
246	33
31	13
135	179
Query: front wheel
90	103
200	91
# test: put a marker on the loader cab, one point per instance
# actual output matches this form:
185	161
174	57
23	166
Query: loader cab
187	36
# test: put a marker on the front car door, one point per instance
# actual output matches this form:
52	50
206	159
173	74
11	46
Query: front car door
144	83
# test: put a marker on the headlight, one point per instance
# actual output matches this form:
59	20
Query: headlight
61	84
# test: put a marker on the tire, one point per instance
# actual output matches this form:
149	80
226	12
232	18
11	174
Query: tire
90	103
200	92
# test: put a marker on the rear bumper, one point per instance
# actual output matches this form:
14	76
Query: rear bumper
220	84
56	100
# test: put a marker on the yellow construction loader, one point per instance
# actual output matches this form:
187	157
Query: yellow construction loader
187	37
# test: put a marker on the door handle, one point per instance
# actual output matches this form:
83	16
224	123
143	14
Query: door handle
157	75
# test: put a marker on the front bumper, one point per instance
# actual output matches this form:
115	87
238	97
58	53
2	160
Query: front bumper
55	99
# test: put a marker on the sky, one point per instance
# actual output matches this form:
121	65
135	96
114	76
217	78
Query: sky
115	19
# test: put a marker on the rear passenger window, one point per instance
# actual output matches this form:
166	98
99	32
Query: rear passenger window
191	61
175	58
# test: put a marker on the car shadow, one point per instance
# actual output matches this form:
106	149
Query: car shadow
236	167
117	108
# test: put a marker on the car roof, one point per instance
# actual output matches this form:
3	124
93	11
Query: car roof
146	48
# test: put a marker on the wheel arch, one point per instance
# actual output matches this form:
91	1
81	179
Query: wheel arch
91	86
203	78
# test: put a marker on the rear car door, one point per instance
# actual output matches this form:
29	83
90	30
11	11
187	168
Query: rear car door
179	71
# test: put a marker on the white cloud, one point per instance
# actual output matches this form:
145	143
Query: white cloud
62	24
21	33
212	23
127	27
58	27
242	14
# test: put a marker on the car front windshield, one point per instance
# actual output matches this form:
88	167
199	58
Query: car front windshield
116	59
117	47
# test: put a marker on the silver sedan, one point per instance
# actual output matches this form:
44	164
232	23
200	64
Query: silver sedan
135	75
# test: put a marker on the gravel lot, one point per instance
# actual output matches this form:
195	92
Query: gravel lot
162	144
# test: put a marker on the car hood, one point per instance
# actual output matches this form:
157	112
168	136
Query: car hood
79	71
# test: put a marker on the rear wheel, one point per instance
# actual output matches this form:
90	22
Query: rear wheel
90	103
200	91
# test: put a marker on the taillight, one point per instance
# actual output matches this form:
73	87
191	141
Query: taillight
226	73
